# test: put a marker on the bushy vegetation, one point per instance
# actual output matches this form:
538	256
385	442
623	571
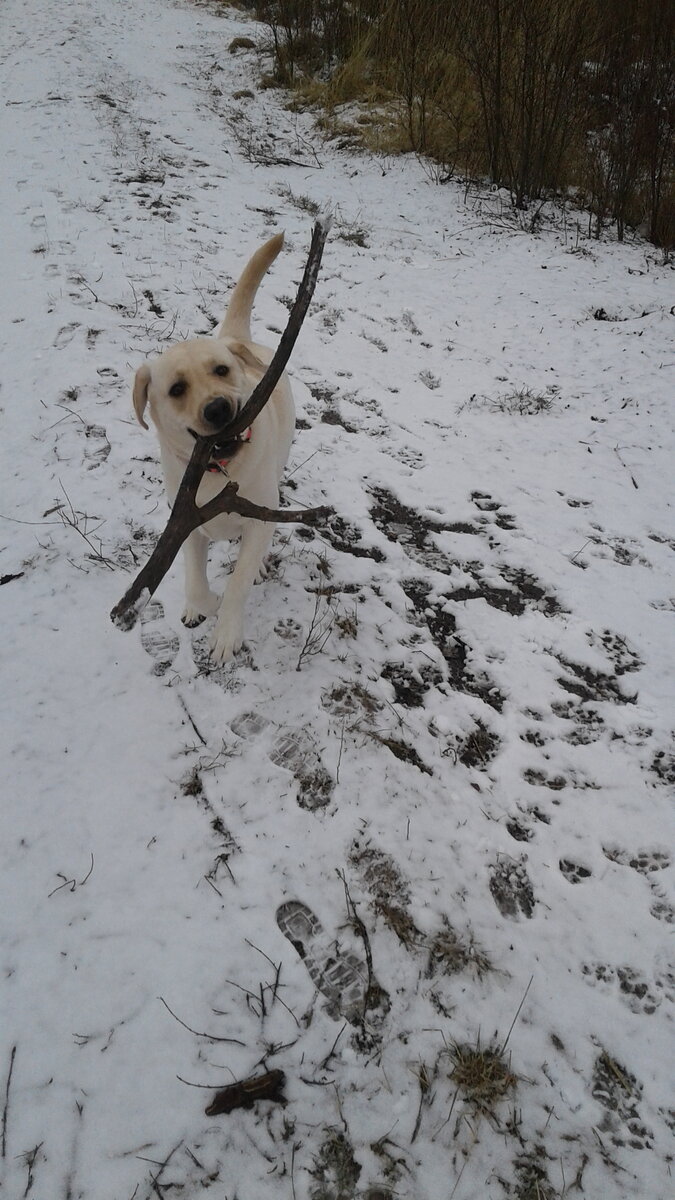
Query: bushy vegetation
542	97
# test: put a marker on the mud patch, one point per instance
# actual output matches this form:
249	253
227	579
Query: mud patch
410	687
442	627
412	531
341	535
522	592
486	504
479	747
591	686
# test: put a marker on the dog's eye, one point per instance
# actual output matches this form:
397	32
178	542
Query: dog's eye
221	369
178	388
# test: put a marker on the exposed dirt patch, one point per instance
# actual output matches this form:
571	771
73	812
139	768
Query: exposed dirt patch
402	750
622	656
413	531
486	504
442	626
341	535
522	591
409	687
590	685
479	747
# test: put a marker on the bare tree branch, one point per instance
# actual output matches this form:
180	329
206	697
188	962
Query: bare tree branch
186	514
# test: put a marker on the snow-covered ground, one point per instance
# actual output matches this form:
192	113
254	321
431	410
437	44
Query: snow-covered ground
448	831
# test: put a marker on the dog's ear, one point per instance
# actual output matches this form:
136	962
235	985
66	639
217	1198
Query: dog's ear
247	356
141	384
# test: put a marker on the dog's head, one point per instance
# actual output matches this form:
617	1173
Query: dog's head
196	388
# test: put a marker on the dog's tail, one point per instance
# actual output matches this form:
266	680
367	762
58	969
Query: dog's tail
237	319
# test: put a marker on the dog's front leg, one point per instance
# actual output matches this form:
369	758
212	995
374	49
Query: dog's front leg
200	601
229	632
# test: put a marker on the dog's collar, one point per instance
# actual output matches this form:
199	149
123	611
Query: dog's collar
218	462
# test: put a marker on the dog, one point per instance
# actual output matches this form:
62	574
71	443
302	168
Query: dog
196	388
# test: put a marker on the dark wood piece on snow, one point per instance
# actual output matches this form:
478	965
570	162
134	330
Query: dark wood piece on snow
186	515
245	1092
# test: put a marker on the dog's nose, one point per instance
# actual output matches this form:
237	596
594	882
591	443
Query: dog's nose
218	411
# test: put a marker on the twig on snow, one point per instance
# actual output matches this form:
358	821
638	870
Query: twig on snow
5	1111
209	1036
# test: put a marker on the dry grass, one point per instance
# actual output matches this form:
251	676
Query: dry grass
482	1076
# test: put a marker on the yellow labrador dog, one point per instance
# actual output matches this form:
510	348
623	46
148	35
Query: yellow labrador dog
196	388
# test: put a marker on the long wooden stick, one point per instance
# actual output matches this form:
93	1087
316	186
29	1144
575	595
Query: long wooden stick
186	515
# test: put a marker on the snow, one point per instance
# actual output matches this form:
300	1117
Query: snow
481	743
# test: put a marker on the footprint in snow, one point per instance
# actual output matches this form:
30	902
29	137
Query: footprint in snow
511	889
97	448
65	335
339	975
293	750
157	639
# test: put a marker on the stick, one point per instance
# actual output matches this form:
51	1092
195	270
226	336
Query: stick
245	1092
5	1111
186	514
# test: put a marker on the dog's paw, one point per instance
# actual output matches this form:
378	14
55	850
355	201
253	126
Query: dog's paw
195	613
228	638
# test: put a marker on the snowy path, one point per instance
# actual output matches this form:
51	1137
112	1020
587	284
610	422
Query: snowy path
461	801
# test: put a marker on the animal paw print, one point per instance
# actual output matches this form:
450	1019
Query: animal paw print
511	889
634	988
617	649
661	908
540	779
644	861
288	629
574	872
160	642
